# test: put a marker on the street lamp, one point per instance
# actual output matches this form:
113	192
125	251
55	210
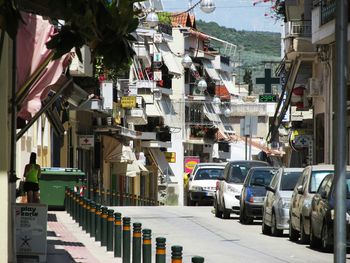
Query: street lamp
207	6
216	100
227	112
186	61
152	19
202	85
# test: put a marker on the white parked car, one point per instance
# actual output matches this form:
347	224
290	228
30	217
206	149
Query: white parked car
202	183
277	201
229	187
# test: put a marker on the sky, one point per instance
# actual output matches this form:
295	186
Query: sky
237	14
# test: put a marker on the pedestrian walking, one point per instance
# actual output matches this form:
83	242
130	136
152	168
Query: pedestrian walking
32	173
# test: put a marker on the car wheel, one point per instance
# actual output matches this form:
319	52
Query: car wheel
304	238
226	212
218	213
243	218
265	229
314	241
274	230
293	233
324	239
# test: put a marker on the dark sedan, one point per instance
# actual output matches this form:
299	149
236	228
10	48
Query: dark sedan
253	193
322	214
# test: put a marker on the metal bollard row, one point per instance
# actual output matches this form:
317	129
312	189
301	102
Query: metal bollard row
114	231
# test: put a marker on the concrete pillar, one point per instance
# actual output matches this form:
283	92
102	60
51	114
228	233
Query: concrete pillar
6	226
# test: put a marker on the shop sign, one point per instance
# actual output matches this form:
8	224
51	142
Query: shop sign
128	102
31	230
190	162
86	140
170	157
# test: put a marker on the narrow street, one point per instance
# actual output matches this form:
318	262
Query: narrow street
219	240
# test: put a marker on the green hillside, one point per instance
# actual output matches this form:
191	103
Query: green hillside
254	47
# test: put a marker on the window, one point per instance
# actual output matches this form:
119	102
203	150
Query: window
261	177
289	180
208	174
316	179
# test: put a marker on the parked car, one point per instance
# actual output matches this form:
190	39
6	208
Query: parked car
202	183
322	214
300	209
229	187
254	192
277	201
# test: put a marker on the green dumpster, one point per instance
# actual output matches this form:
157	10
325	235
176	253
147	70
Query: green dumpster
53	182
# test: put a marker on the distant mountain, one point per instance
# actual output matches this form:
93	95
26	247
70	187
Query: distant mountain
253	47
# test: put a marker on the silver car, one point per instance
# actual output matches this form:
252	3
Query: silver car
277	201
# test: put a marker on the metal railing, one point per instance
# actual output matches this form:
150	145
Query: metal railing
301	28
327	11
116	233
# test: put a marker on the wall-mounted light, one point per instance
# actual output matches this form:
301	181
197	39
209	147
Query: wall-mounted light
207	6
152	19
186	61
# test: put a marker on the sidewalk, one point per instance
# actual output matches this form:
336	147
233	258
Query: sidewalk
67	242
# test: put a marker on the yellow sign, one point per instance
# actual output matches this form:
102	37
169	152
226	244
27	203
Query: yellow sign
128	102
170	157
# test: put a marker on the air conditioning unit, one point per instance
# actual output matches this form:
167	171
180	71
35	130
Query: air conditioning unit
314	87
157	94
82	69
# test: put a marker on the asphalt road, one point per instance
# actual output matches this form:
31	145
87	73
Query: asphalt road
199	232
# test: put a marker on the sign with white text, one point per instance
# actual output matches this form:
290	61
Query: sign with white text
31	230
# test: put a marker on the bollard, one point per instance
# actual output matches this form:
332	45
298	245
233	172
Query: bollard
81	215
114	198
118	199
104	216
76	207
108	197
91	193
136	243
197	259
110	223
126	239
117	234
83	221
176	254
147	246
102	196
66	207
160	250
98	222
88	222
92	219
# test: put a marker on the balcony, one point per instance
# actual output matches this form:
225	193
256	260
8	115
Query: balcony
136	116
300	28
137	134
327	11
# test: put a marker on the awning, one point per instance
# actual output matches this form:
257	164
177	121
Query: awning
115	151
169	59
209	111
159	158
208	66
228	83
32	55
167	111
152	110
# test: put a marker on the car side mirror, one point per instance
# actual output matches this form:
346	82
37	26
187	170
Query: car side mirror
323	194
269	188
300	189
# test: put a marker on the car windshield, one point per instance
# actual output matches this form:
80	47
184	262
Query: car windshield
316	179
261	177
289	180
238	172
208	173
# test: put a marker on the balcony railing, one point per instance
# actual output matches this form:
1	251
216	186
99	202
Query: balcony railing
327	11
300	28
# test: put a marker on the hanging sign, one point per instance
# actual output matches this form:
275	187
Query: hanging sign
86	140
128	102
170	157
